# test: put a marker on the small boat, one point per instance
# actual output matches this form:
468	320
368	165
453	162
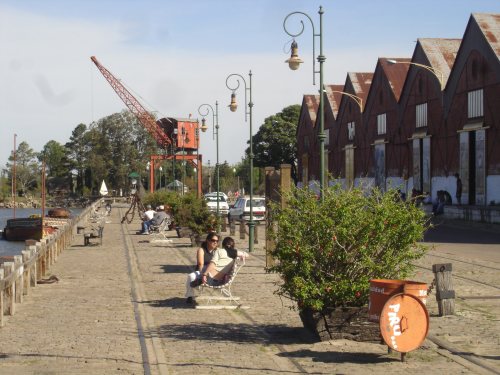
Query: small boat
23	229
59	212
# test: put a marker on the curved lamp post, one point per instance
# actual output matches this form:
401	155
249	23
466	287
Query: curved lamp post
233	106
294	62
436	72
204	110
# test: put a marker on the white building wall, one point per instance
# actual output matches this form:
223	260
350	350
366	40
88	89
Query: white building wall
493	189
448	184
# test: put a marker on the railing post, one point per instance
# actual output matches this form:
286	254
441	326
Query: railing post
1	298
19	283
8	268
26	254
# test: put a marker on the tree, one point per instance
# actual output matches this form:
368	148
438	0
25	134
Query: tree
56	161
77	150
275	143
27	168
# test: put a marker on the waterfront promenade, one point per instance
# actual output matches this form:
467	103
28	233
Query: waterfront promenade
119	308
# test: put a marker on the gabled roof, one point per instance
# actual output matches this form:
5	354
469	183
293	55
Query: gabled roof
312	104
490	27
395	73
334	97
441	54
361	83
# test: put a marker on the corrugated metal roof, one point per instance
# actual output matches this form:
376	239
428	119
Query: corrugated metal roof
334	97
361	83
395	73
490	26
312	103
441	54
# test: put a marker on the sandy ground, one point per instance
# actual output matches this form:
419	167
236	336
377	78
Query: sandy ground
119	308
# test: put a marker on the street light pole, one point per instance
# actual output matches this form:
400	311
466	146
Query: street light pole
294	62
233	106
209	178
215	122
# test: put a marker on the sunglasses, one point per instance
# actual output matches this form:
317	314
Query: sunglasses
214	240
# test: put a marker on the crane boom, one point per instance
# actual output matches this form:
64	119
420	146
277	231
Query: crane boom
146	119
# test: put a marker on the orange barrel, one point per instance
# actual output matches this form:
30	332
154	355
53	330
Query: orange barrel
381	290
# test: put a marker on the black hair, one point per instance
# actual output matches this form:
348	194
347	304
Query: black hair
228	244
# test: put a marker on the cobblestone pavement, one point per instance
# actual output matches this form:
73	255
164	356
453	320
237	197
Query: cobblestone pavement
119	308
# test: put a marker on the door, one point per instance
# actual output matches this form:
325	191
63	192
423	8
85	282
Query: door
380	166
349	167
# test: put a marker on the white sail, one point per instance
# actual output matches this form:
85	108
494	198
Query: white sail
104	189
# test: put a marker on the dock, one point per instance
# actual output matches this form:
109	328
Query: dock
119	308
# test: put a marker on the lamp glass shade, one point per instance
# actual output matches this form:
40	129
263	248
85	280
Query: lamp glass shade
204	126
294	61
233	106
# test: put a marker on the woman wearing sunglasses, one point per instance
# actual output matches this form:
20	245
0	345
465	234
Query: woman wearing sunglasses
203	257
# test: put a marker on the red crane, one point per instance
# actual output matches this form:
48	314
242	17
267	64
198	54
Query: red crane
134	106
153	127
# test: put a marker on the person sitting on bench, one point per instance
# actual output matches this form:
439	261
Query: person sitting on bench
203	257
220	266
157	219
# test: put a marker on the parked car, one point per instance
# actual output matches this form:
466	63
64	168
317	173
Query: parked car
241	209
211	199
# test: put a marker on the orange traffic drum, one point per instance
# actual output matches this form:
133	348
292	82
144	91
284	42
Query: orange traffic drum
382	289
404	322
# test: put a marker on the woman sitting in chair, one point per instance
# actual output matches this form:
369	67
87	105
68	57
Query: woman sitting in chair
219	266
203	257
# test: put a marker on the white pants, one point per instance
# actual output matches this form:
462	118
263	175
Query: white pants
191	277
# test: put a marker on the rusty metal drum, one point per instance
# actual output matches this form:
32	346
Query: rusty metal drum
404	322
382	289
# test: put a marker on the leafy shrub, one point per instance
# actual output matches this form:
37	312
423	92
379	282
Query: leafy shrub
328	250
188	210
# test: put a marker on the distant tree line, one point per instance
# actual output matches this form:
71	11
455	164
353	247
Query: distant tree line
116	145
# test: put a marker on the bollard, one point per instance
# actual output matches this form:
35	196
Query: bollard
232	228
223	224
445	295
256	233
242	229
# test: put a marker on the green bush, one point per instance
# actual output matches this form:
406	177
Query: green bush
328	250
188	210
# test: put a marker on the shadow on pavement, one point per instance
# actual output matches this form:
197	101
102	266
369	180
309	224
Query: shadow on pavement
339	357
235	333
460	233
177	268
174	303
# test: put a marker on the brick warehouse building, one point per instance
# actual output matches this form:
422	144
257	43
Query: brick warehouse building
416	128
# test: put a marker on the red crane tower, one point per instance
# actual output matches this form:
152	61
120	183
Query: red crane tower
163	130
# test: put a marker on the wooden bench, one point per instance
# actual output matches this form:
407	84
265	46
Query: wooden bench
97	233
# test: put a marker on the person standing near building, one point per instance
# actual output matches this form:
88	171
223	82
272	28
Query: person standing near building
458	194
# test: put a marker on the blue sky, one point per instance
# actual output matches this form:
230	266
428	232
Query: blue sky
176	55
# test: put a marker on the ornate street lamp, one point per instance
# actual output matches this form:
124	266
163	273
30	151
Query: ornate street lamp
215	122
294	62
233	106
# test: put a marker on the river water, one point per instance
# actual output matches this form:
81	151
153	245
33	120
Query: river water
15	247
